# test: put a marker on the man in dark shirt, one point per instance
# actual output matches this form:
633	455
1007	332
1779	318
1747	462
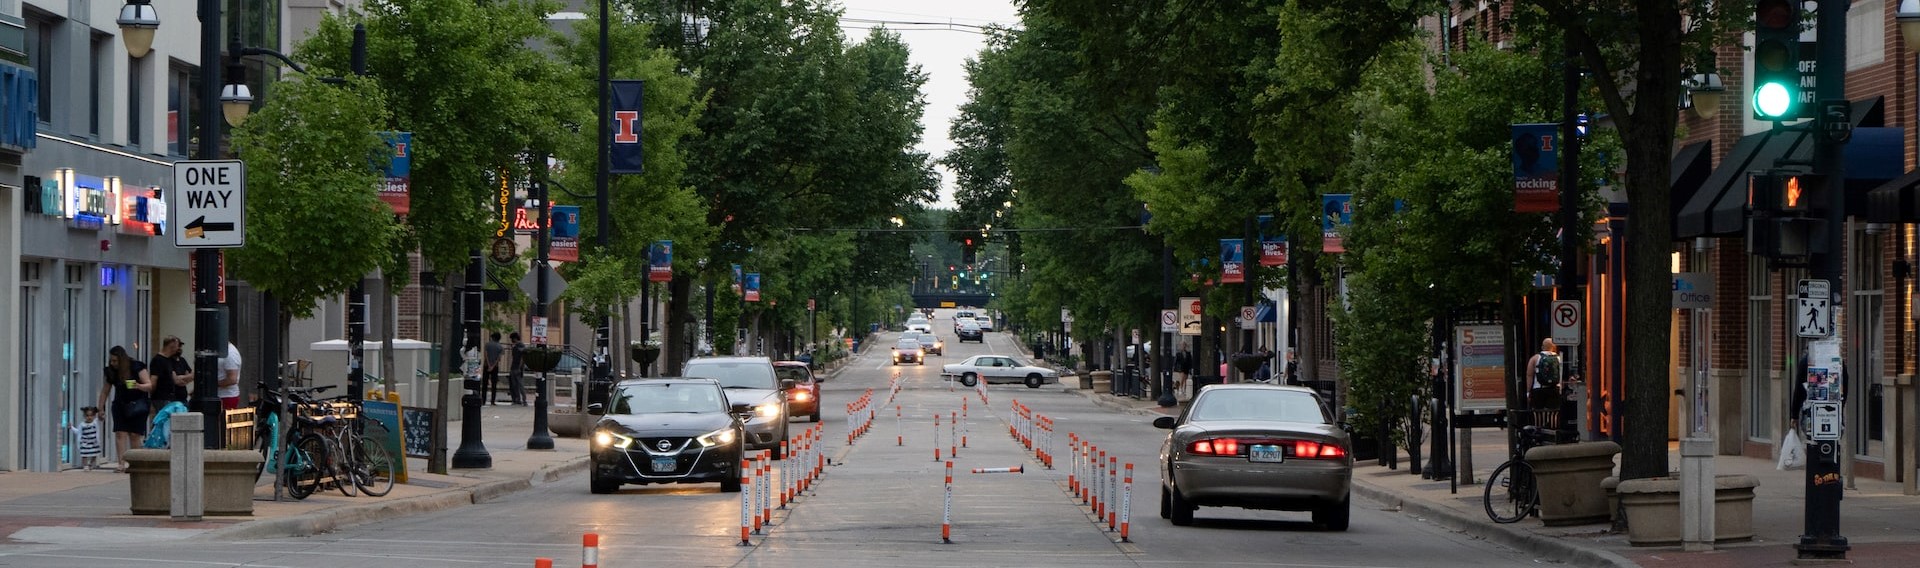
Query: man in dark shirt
171	374
490	371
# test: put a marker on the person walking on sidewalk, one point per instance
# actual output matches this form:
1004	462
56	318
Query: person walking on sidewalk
516	371
230	378
126	383
1543	373
90	432
490	372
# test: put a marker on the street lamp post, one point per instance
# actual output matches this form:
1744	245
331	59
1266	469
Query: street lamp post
603	172
540	439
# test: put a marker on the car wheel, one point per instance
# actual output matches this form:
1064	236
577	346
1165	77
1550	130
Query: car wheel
1334	516
1166	503
815	417
1182	513
1034	381
969	380
923	362
732	483
598	484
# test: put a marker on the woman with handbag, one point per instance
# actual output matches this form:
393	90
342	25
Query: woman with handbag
127	383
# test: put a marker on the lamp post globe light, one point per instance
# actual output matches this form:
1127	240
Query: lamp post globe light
138	20
1909	19
1705	91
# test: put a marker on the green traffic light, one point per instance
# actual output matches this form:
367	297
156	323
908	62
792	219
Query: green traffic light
1773	100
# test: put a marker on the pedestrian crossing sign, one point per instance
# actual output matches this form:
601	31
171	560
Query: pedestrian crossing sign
1813	314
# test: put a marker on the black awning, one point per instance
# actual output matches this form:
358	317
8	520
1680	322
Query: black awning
1895	201
1719	208
1691	166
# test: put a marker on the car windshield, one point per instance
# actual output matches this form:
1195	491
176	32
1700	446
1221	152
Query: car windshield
907	344
734	374
797	373
667	397
928	339
1257	404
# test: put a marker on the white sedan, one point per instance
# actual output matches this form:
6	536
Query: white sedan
999	369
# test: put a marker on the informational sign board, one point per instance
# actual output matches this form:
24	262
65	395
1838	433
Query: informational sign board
1813	314
1480	367
209	201
1169	321
1566	317
1826	421
1066	316
530	283
388	414
539	330
416	429
1189	316
1693	291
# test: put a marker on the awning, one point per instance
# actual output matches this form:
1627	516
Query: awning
1691	166
1264	313
1719	208
1895	201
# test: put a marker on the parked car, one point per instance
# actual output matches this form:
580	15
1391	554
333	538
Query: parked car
750	381
803	398
985	322
999	369
966	330
670	430
931	344
1256	446
907	350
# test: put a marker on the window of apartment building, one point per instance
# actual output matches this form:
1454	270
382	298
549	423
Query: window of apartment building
98	97
136	122
40	35
180	98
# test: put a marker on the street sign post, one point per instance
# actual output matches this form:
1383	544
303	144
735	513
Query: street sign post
1813	317
555	284
1247	316
1566	316
1189	316
209	199
1169	322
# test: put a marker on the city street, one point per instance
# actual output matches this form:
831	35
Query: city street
879	504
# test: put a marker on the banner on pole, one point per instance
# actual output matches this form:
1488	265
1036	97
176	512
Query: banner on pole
660	261
736	279
1536	168
1233	263
1336	212
753	287
563	223
1273	244
626	127
399	171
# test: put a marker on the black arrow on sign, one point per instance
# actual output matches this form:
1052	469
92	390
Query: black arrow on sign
199	227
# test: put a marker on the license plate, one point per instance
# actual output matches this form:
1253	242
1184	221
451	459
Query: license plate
665	464
1264	453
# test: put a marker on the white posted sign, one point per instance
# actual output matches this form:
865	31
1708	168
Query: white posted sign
1247	316
1189	316
1566	317
1813	316
1169	322
209	203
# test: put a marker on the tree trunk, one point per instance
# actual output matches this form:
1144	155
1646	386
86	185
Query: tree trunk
1648	137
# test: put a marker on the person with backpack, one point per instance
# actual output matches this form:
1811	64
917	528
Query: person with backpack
1544	371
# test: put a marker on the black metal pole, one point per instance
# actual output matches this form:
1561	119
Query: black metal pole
1247	263
541	438
708	285
646	316
1822	539
472	453
210	316
1164	354
603	332
1569	212
357	294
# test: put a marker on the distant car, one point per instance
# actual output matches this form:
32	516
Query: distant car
998	369
803	398
966	330
985	322
667	431
919	324
908	351
930	343
750	381
1256	446
960	316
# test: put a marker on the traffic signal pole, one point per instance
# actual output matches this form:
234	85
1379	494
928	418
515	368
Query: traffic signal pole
1821	539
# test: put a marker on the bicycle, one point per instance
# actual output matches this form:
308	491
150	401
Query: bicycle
1512	493
330	446
301	461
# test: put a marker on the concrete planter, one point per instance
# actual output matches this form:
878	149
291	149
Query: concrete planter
1570	477
229	479
1653	509
1097	381
568	424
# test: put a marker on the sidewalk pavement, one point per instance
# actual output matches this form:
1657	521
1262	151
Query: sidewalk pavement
1878	521
93	506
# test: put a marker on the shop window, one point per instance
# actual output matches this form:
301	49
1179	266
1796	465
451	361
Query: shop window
1761	363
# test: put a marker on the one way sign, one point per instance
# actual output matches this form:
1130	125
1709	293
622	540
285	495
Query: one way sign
209	202
1813	316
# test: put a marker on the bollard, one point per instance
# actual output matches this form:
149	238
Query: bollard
188	465
543	563
766	488
899	430
1126	502
590	550
946	510
964	418
1099	484
746	492
758	484
953	434
1113	485
1073	465
1014	469
936	436
786	475
819	459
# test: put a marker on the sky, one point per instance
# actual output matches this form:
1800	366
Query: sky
941	53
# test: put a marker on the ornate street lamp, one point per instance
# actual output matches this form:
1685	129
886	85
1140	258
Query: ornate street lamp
1909	19
1706	90
138	20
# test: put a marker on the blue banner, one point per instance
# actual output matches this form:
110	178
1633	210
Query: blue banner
1233	261
399	172
563	231
1273	244
626	127
1536	168
753	287
1336	212
660	261
736	279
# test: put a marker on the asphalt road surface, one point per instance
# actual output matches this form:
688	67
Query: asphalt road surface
878	505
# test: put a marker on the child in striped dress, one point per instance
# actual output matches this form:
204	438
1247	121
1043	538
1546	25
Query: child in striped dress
91	432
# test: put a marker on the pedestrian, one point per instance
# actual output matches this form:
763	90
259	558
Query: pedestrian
90	432
1544	370
516	371
230	378
1293	367
490	372
171	374
126	382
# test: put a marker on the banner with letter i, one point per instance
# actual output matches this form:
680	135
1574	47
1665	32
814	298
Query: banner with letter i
1233	264
625	138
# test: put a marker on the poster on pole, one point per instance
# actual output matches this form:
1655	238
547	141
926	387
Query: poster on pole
1233	264
1536	168
1336	212
660	262
563	233
399	171
737	277
1480	367
753	287
625	138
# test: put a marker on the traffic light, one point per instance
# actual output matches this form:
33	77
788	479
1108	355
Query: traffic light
1782	226
1785	193
1776	60
966	246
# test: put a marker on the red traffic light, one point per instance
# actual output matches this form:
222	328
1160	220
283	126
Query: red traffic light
968	242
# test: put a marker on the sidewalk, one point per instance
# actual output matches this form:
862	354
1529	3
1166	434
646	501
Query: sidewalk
92	506
1878	521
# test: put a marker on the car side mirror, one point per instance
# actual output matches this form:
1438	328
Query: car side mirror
742	408
788	384
596	408
1164	422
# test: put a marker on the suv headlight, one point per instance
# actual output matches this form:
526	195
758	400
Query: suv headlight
607	439
769	410
719	437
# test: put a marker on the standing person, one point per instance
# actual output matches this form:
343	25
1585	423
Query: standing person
490	373
91	431
1293	367
230	378
1543	372
126	382
516	371
171	375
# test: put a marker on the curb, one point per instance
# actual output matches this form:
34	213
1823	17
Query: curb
1547	547
328	520
1108	403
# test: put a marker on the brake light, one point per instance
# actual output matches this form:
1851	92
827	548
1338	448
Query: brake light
1215	447
1309	449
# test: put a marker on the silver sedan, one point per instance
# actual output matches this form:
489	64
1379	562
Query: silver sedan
1256	446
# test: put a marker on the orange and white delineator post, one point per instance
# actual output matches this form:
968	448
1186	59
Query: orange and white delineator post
1113	487
946	509
936	436
746	498
1126	502
766	491
786	474
1014	469
964	419
590	550
758	485
1099	484
953	434
1073	465
899	428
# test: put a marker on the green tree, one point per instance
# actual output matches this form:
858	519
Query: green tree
314	165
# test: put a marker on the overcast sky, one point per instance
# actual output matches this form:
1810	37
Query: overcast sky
940	52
